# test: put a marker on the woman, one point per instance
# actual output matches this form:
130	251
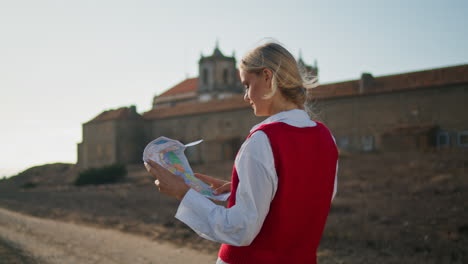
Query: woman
283	178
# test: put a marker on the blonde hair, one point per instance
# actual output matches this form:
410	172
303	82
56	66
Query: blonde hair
290	78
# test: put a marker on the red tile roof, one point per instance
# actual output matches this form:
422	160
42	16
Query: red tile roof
389	83
195	107
116	114
186	86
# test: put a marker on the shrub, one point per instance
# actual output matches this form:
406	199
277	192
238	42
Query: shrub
104	175
29	185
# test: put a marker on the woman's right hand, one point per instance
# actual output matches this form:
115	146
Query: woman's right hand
219	186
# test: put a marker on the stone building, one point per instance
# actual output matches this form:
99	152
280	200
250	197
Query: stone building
418	111
114	136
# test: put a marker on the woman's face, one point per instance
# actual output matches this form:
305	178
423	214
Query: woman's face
256	87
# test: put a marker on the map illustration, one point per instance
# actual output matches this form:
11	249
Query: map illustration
169	153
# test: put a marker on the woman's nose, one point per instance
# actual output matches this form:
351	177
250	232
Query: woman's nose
246	97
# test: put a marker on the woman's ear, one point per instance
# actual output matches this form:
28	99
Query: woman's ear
268	77
267	74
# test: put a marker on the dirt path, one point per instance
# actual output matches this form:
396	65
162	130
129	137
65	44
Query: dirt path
49	241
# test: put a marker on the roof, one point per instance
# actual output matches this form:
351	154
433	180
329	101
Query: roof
217	53
412	80
195	107
116	114
186	86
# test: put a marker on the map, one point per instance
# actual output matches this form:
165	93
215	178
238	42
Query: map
169	154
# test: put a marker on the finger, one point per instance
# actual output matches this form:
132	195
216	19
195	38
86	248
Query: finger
157	170
157	183
161	171
154	164
151	170
203	177
209	179
223	189
200	176
147	166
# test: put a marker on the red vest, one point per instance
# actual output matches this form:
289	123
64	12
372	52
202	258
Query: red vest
305	162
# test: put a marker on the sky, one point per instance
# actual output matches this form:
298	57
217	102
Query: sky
63	62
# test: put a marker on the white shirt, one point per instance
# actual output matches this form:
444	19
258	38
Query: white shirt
258	182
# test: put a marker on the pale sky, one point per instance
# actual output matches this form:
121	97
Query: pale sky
63	62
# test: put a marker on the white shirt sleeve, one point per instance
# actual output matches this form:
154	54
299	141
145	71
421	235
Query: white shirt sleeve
240	224
335	186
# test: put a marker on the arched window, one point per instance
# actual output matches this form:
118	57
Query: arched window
225	76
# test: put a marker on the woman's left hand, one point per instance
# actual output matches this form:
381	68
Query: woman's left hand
167	182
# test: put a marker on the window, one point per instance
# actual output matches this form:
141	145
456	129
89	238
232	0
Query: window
225	76
343	142
99	150
367	143
205	97
109	149
230	148
463	139
443	139
227	124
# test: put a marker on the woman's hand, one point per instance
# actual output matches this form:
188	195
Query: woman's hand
219	186
167	182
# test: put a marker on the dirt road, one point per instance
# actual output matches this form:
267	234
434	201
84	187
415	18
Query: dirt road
48	241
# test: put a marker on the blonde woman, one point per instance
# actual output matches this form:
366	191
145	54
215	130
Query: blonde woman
284	176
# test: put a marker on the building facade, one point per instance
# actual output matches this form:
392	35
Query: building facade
416	111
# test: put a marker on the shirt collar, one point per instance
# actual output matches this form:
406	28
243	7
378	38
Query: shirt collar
294	114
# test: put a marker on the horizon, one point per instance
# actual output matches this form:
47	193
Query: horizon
63	63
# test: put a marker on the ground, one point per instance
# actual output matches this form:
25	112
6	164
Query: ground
54	242
390	207
13	255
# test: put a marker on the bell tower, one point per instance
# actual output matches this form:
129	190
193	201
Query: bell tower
218	73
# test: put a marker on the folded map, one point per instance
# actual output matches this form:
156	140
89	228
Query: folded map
169	154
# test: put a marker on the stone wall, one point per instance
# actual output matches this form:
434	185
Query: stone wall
357	121
222	132
130	141
99	146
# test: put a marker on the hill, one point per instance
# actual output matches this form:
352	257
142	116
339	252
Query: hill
389	207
